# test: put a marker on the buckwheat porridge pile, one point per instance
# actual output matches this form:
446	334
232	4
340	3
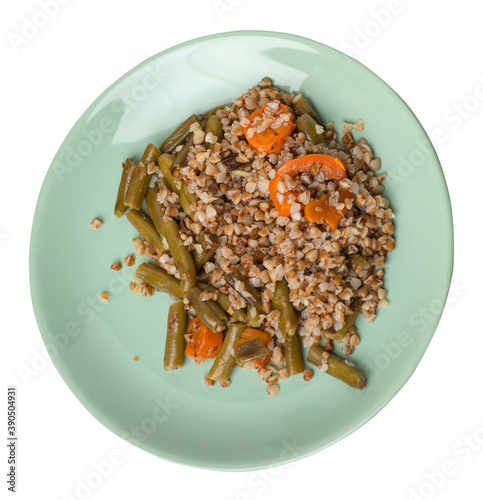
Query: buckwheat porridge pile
270	234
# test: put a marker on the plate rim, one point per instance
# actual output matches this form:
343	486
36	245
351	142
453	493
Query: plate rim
101	417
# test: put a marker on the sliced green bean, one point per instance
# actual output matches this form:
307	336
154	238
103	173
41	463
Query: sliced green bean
343	270
141	178
179	135
127	173
224	302
204	117
135	191
214	126
177	185
208	311
209	244
251	296
302	106
225	361
336	367
150	155
146	230
250	350
308	126
254	318
182	155
203	276
232	164
160	280
293	356
174	350
349	321
357	262
181	254
155	210
288	319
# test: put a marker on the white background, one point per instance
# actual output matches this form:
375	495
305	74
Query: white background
430	53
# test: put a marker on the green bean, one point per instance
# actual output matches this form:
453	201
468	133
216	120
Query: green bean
209	244
155	210
357	262
181	254
174	350
214	126
141	178
203	276
302	106
206	287
254	319
232	164
293	356
208	311
182	155
288	319
250	350
225	361
146	230
160	279
150	155
179	135
251	296
224	302
349	321
343	270
127	173
135	191
177	185
308	126
204	117
336	367
239	315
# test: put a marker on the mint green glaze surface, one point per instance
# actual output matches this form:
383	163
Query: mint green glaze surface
178	416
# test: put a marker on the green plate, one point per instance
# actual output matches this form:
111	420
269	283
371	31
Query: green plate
174	415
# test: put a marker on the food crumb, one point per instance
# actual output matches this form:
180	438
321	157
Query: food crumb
225	383
347	350
129	260
308	374
105	297
146	290
136	358
96	223
273	390
116	266
209	381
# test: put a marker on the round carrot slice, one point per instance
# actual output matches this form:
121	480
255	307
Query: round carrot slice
203	342
269	126
331	167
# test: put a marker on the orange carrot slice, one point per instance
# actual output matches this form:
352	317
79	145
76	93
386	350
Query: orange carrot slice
269	140
331	167
319	210
203	342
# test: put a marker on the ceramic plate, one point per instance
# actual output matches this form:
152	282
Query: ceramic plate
174	415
